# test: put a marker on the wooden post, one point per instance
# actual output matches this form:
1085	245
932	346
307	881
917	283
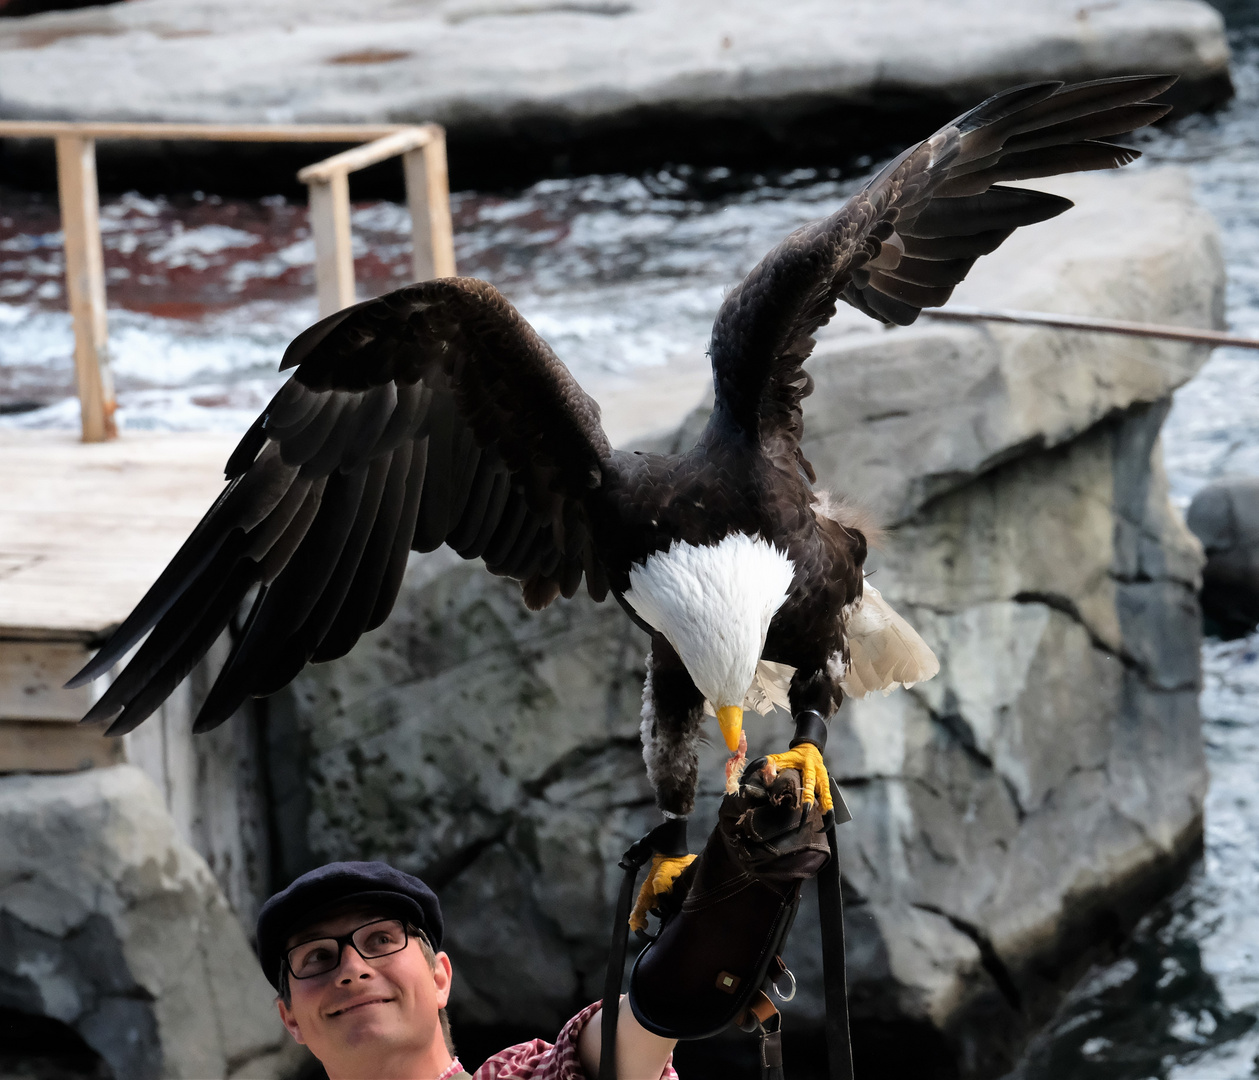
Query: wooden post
334	256
428	196
85	283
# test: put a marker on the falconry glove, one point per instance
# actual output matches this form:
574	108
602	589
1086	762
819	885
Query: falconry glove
724	923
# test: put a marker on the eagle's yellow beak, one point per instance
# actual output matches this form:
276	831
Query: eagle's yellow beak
730	717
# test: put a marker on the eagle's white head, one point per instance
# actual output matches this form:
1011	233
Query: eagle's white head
713	603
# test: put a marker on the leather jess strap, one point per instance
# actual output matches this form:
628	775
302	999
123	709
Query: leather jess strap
830	902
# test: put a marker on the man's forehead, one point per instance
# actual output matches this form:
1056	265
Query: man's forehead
336	921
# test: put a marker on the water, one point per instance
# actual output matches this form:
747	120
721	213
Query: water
616	272
625	272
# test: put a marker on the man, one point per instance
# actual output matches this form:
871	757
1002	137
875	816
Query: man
353	948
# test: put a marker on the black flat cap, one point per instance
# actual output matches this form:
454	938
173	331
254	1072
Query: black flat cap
375	883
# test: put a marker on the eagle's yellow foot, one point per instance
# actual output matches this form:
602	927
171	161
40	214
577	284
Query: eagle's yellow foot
661	875
816	782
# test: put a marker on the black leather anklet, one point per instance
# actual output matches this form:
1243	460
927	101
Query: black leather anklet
810	728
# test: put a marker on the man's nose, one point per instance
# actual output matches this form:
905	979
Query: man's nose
352	966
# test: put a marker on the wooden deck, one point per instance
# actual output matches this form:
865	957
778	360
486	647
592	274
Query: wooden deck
85	528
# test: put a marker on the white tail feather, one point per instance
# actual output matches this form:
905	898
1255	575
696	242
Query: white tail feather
884	650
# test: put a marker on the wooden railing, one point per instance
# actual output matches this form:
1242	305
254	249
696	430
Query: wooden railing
423	151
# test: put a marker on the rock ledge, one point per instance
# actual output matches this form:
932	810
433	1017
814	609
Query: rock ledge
529	89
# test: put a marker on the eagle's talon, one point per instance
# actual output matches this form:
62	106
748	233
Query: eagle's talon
816	781
661	875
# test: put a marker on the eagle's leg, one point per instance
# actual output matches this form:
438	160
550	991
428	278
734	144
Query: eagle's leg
673	710
814	697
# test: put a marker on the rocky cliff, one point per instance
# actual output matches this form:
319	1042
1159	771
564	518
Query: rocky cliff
1010	816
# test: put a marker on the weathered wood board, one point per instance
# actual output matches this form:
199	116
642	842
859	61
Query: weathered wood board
33	676
48	748
84	531
86	528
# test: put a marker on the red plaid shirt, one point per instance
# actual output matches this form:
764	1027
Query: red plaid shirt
539	1060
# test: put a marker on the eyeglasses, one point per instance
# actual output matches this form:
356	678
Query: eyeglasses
382	937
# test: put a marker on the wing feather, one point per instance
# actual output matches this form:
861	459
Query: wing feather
908	237
205	624
503	540
373	566
434	523
479	489
432	415
404	539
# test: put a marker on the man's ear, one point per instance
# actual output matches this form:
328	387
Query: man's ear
442	976
290	1021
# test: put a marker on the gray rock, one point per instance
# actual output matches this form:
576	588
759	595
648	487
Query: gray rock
1009	814
113	926
599	85
1225	517
1050	774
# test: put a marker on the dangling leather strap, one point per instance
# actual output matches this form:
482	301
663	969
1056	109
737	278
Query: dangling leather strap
666	839
834	977
772	1047
763	1016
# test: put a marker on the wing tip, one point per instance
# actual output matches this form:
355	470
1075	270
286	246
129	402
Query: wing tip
92	670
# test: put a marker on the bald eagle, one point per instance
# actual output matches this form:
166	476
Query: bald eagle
436	415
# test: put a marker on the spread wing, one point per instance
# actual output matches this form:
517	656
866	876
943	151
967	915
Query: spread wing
909	236
432	415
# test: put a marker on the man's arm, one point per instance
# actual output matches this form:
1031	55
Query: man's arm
640	1055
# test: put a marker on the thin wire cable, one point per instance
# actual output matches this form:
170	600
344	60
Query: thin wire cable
1095	325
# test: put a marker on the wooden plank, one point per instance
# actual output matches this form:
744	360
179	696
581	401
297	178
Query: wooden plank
37	129
428	197
334	256
54	748
360	157
86	528
32	678
85	283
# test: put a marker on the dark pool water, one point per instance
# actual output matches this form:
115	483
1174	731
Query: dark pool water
621	273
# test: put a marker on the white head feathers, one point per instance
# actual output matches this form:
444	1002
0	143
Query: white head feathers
713	604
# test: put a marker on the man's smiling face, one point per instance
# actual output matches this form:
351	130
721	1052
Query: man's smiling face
367	1010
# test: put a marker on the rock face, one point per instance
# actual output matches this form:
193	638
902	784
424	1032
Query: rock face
1010	815
529	88
111	925
1225	517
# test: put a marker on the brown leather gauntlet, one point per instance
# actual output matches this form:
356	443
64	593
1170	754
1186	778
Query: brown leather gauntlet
726	919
